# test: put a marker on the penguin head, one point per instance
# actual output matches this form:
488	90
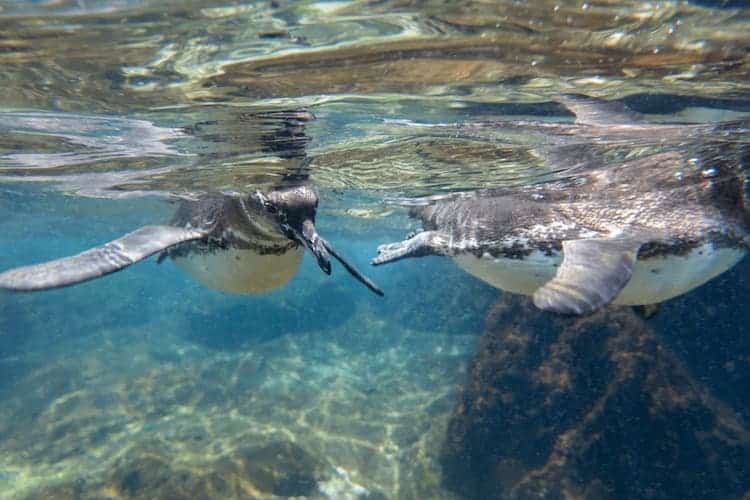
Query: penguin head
293	210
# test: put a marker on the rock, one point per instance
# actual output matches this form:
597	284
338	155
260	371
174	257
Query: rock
281	468
149	474
594	407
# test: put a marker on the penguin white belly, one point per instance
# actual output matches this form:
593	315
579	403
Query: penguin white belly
241	271
654	280
658	279
522	276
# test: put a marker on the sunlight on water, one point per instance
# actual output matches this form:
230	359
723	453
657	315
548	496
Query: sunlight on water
403	116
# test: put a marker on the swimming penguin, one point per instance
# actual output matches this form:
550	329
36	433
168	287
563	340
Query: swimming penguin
247	244
636	233
241	244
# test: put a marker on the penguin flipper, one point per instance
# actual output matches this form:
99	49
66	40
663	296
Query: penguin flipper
98	261
419	245
592	274
352	269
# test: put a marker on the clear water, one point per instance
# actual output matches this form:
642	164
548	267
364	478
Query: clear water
145	384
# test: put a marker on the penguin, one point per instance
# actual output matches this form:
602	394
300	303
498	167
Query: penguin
637	233
239	244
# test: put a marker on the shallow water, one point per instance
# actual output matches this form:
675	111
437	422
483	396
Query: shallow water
145	384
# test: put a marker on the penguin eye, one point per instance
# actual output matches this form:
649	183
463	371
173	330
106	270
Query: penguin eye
271	208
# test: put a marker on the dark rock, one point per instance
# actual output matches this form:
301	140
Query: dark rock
281	468
150	474
594	407
707	329
143	476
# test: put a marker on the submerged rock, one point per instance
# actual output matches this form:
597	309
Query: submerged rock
594	407
279	469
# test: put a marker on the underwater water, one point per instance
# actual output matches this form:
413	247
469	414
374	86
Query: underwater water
147	384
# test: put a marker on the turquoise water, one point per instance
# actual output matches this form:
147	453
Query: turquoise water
148	364
147	384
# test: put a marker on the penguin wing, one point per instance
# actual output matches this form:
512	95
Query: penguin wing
98	261
592	274
352	269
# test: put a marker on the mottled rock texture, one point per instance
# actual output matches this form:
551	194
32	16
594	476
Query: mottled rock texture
595	407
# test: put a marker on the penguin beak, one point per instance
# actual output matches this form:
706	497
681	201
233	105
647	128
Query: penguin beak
315	243
322	250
